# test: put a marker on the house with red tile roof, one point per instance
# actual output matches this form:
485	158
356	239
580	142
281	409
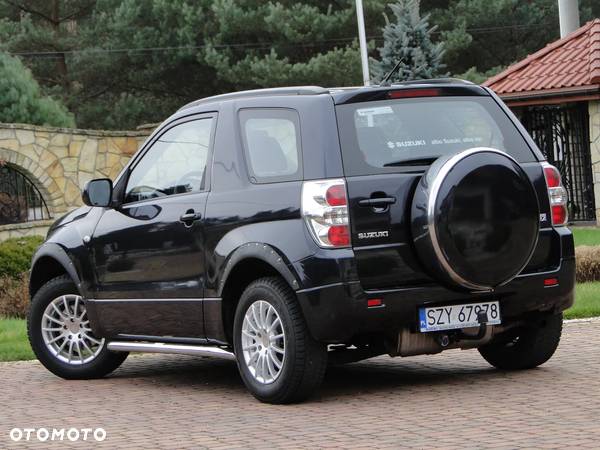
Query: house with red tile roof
555	92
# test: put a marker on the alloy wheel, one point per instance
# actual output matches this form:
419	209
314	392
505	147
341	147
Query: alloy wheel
66	331
263	342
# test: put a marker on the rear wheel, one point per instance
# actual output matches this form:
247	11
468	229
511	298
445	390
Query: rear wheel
530	347
60	334
278	360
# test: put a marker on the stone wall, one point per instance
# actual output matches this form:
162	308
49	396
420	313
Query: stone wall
59	161
594	111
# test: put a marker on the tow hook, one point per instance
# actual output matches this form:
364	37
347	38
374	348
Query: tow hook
482	319
443	340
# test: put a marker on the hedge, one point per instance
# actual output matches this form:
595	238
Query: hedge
587	263
16	253
15	259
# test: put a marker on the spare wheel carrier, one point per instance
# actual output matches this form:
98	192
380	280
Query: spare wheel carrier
475	219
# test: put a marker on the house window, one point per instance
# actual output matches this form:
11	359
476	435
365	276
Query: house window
20	200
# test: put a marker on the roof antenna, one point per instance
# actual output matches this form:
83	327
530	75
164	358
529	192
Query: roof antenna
385	81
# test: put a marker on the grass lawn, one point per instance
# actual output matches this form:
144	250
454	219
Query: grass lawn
586	235
14	345
587	301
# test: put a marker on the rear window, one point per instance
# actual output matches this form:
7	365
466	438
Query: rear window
397	135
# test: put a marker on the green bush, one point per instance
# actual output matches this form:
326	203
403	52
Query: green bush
15	255
22	101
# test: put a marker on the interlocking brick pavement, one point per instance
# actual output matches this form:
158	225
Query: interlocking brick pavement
449	400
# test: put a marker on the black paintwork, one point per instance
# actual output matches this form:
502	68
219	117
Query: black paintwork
147	275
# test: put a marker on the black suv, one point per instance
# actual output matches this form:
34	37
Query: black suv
288	228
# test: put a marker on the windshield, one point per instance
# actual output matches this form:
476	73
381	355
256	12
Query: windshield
388	136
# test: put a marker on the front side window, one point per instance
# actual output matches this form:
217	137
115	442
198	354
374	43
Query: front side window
272	144
175	164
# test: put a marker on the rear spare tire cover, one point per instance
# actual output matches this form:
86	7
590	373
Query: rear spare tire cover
475	219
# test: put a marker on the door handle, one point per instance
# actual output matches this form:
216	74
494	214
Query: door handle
190	216
377	202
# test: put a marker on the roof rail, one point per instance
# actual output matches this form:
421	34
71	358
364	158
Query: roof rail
294	90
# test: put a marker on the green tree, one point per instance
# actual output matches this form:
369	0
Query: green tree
486	34
479	77
132	61
287	42
408	40
22	101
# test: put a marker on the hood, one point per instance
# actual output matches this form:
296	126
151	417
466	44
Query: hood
76	214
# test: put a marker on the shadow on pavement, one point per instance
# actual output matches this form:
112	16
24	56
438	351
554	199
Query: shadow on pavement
382	373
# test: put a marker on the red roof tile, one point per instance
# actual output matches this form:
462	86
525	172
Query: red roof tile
571	62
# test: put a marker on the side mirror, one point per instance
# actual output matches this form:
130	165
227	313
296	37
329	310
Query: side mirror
98	192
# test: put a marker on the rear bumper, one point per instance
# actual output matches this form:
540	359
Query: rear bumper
337	312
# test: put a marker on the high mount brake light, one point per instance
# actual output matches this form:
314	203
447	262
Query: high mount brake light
557	195
325	210
412	93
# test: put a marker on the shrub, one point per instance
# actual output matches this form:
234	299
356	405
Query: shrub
587	263
15	260
14	296
15	255
22	101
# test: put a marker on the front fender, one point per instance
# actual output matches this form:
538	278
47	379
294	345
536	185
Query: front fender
40	271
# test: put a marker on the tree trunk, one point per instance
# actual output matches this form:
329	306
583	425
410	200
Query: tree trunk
61	63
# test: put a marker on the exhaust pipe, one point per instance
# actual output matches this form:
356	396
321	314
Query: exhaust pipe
179	349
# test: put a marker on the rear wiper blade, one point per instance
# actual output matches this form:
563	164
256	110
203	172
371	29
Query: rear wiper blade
411	162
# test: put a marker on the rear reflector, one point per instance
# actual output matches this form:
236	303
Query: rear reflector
411	93
373	302
551	282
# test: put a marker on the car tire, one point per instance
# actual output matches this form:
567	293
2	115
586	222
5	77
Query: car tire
58	317
268	316
530	347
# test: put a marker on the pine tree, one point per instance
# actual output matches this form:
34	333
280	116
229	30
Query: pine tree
408	39
21	100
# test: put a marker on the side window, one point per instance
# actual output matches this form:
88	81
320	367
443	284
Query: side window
175	164
272	144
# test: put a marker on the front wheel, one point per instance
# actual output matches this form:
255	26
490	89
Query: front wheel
278	360
60	334
528	347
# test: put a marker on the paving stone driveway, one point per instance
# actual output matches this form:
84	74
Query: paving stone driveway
450	400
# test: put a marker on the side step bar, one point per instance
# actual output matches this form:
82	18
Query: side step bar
161	347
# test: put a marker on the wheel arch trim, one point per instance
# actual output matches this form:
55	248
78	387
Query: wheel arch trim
263	252
56	253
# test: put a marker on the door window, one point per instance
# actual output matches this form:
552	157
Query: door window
175	164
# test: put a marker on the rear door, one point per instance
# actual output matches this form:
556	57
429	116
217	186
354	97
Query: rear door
387	145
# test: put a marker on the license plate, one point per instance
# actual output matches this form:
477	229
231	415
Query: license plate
457	316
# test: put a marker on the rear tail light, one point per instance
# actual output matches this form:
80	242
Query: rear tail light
325	210
557	195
